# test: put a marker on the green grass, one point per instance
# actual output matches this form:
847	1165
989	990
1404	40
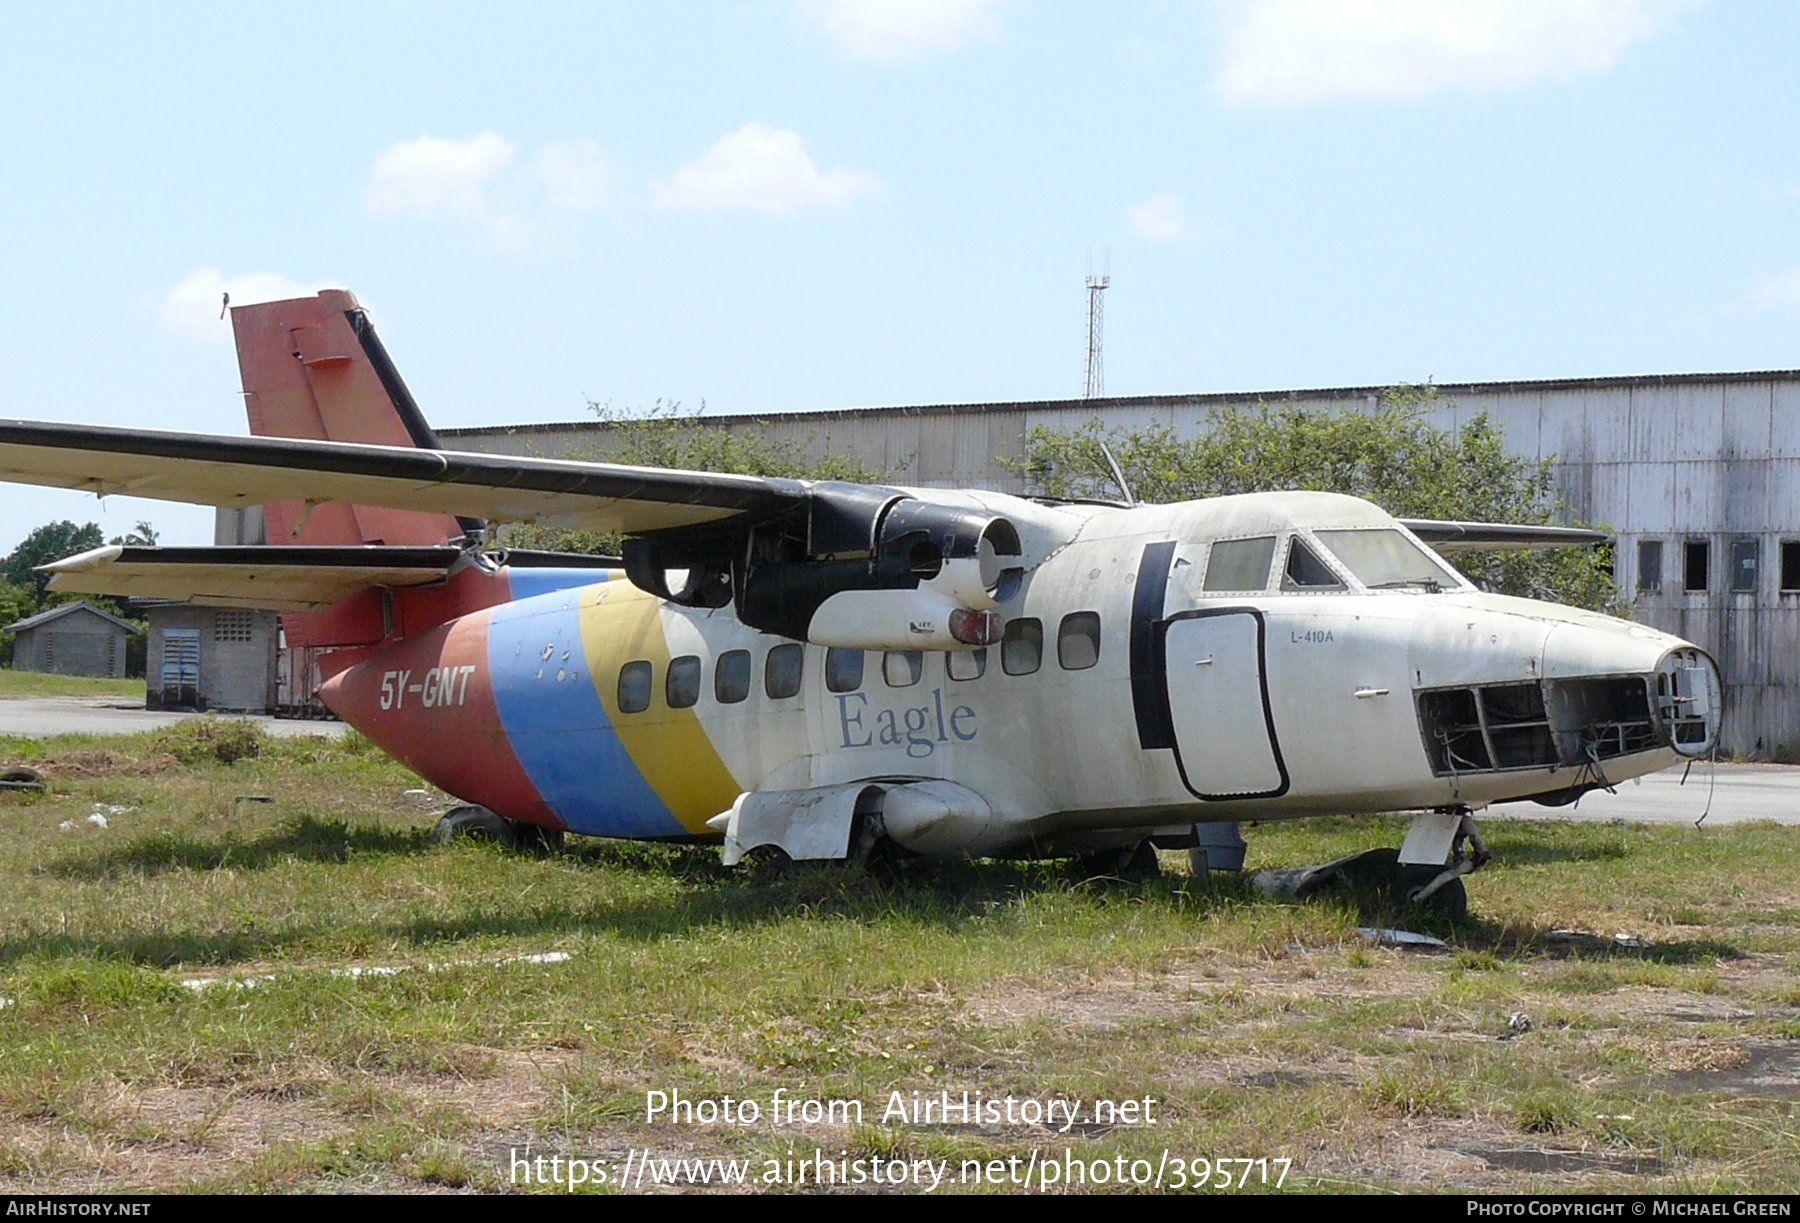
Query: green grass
40	683
1261	1029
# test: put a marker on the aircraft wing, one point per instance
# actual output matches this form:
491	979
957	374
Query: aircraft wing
213	469
1448	537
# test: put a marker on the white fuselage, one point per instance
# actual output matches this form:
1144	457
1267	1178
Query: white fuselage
1226	704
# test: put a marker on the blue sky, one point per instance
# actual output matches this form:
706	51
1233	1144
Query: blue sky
785	205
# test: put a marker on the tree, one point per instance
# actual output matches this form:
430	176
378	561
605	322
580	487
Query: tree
16	603
1393	457
50	542
668	436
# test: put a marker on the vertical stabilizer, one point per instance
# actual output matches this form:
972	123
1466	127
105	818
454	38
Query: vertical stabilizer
314	368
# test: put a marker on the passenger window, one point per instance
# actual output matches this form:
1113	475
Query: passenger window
966	664
1305	571
731	681
843	669
682	686
902	668
1022	648
1239	564
1078	641
634	687
782	671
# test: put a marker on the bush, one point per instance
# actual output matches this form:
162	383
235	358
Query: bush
207	740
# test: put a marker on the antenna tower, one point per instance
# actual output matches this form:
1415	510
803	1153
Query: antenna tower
1096	327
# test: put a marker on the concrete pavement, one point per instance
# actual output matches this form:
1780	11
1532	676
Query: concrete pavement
1726	793
37	717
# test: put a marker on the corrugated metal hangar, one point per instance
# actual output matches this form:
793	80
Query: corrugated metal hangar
1699	474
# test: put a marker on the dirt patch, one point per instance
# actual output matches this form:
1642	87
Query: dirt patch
102	763
1475	1154
1101	1004
1747	1068
167	1137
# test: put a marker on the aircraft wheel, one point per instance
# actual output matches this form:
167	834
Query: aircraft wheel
476	823
536	837
1450	902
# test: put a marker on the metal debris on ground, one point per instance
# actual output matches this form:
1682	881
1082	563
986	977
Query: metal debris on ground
1385	936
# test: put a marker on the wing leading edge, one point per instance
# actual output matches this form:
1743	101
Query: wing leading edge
1449	537
211	469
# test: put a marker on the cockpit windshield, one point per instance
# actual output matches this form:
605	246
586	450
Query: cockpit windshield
1384	559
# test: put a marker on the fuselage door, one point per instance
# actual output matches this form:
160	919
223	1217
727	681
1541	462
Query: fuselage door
1219	705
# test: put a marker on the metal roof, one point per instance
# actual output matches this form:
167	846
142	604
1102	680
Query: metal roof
54	613
1202	399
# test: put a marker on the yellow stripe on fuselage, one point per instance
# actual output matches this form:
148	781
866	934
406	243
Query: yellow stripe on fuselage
621	624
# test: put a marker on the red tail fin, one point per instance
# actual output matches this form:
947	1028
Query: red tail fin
314	368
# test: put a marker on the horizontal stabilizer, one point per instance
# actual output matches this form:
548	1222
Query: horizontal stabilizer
209	469
1448	537
303	578
280	579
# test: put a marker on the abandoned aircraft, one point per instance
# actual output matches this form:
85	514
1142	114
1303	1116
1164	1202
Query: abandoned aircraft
824	667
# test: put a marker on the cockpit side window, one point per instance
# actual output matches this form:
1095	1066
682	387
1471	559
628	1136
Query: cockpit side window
1384	559
1305	571
1239	564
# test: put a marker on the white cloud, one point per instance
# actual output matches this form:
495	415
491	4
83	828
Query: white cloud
519	205
766	169
1297	51
191	309
902	29
1774	290
1159	218
431	177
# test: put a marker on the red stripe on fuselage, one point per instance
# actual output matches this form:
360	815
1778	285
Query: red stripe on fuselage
430	701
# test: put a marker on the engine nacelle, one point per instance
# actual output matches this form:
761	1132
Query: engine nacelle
788	576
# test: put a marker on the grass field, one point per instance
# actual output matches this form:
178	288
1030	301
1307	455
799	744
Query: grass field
212	992
40	683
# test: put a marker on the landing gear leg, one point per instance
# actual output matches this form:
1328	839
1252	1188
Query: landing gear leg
1132	863
1441	847
1218	847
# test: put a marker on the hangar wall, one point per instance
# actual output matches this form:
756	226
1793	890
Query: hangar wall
1676	460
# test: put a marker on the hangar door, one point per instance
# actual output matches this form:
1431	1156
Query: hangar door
1219	705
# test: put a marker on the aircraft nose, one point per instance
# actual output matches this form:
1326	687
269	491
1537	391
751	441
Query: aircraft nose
1689	699
1597	690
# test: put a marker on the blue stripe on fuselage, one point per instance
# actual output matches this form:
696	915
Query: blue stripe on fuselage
528	583
559	729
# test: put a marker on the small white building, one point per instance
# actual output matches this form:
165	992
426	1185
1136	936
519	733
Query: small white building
74	639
